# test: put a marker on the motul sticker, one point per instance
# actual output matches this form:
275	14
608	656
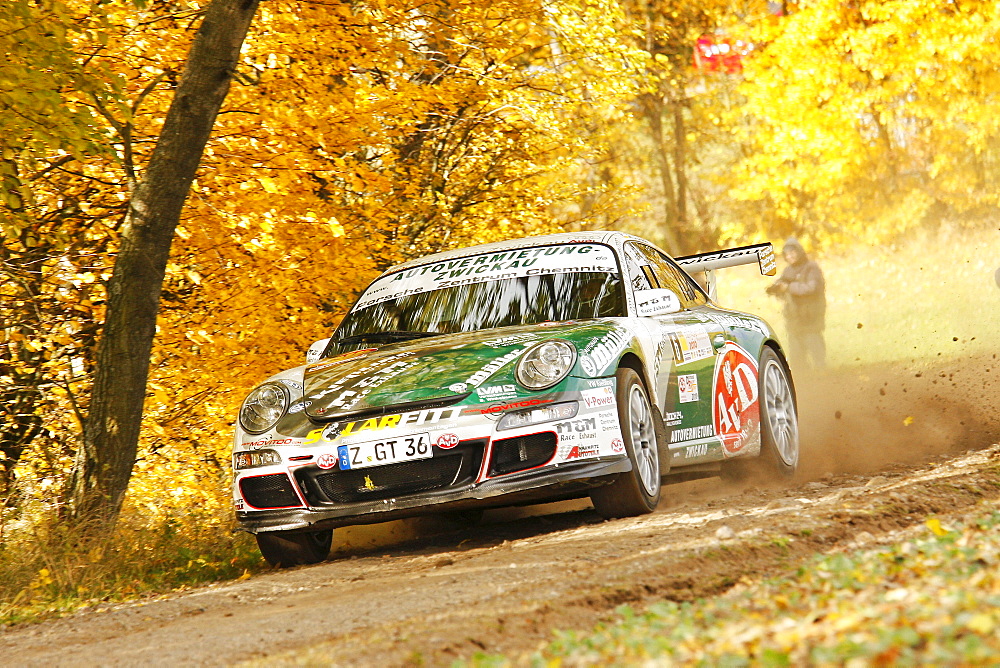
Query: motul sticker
735	406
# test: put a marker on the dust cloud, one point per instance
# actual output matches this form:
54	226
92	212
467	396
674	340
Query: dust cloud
860	419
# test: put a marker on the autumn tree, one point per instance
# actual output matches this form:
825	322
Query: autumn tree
53	216
355	136
871	118
111	432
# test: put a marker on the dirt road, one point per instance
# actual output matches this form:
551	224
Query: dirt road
884	448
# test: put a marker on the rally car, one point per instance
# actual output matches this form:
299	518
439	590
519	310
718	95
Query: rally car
541	369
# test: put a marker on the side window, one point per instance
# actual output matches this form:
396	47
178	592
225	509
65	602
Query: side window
670	276
640	275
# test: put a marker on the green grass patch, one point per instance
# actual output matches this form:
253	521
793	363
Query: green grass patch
931	600
929	297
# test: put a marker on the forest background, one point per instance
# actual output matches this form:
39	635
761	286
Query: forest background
360	134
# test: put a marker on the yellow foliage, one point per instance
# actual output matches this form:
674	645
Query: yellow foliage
870	117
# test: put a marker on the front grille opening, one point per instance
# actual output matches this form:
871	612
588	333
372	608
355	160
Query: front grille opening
523	452
378	482
447	468
269	491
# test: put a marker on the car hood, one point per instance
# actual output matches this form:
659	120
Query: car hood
443	368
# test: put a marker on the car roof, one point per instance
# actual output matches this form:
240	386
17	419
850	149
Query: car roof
610	237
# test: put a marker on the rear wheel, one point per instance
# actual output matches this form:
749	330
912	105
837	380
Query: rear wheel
638	491
284	549
779	446
779	433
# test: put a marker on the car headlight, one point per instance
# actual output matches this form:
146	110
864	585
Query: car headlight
545	364
263	407
253	458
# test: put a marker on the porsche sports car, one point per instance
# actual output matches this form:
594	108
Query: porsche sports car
527	371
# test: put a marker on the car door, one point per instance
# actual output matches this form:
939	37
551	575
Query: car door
690	342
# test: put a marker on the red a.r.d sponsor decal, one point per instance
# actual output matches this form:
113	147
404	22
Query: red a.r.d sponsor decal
327	461
735	408
447	441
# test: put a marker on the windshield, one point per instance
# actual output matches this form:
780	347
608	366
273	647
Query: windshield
520	287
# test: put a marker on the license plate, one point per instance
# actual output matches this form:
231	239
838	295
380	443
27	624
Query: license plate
387	451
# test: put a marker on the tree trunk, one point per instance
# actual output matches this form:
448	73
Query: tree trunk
652	107
111	433
680	164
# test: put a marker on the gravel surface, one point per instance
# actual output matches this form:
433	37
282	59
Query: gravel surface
883	449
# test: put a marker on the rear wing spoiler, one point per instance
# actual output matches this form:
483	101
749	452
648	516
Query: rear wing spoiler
702	266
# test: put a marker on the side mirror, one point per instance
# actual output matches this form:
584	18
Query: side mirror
658	301
315	350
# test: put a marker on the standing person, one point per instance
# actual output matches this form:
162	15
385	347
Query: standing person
803	289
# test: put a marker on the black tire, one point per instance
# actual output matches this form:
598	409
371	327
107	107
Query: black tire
779	426
285	549
635	492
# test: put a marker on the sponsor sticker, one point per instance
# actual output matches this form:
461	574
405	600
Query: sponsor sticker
340	359
598	398
500	408
583	451
497	393
596	435
690	433
602	352
740	322
512	340
458	388
327	461
735	405
499	265
673	419
488	370
583	424
687	385
699	450
238	504
427	416
447	441
266	442
691	345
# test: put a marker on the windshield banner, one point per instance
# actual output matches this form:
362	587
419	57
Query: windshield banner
498	266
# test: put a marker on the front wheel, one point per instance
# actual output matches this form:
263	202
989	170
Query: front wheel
285	549
638	491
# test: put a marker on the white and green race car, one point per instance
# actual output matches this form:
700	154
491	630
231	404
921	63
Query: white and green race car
546	368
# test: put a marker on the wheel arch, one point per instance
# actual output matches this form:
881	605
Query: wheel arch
776	347
632	361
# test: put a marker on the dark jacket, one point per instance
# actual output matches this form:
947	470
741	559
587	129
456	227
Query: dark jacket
805	296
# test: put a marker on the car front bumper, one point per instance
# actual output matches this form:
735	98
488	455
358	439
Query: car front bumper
557	482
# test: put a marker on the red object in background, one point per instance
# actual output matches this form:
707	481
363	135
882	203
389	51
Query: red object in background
719	53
